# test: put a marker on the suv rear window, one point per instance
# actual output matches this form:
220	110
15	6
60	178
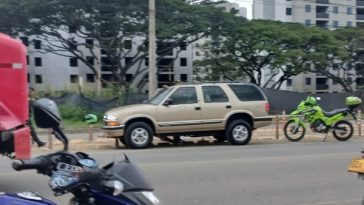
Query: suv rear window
214	94
247	92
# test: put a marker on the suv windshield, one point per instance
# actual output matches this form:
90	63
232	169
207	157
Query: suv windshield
157	99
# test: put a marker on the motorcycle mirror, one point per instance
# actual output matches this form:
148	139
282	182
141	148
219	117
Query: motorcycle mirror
116	186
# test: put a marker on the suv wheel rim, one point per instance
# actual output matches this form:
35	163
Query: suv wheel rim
240	133
139	136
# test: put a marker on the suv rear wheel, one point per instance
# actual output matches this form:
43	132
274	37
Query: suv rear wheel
239	132
138	135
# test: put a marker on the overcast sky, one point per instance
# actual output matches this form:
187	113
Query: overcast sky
245	3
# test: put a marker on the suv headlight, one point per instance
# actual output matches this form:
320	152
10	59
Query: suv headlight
111	120
151	197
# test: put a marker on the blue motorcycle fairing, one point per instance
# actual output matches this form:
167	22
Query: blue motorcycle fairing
11	199
126	198
101	199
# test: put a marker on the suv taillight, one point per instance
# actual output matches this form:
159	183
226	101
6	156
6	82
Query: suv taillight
267	107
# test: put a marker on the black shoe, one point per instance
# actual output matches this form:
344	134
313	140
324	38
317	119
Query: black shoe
41	144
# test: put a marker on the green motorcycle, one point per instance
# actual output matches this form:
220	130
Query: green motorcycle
320	121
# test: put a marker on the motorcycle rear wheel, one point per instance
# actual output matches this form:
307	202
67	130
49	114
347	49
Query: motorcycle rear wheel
343	130
292	134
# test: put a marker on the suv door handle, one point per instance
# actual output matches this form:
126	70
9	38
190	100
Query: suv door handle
197	108
228	106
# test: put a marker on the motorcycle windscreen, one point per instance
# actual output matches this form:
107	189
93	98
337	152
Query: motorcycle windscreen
131	176
44	117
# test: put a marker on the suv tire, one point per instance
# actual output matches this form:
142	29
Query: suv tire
239	132
138	135
122	140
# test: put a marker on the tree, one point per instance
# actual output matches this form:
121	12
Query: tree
342	57
255	46
111	24
281	50
306	49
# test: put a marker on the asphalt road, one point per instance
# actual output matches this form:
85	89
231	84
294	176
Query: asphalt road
305	173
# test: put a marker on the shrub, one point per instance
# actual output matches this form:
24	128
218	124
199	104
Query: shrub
72	112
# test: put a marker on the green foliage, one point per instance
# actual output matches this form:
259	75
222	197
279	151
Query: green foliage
108	92
74	113
71	124
110	23
280	49
253	46
352	42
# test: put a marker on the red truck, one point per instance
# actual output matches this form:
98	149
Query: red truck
14	132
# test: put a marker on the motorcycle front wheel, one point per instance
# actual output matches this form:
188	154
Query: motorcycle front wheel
343	130
294	132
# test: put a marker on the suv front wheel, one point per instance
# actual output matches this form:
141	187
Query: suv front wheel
239	132
138	135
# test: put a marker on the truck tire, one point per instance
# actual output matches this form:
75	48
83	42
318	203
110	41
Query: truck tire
138	135
239	132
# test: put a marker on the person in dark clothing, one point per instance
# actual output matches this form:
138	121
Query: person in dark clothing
34	135
49	117
57	132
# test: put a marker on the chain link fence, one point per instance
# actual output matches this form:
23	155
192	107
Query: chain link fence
279	100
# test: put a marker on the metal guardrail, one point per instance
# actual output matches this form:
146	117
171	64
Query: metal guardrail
360	17
359	3
322	1
322	87
169	69
322	15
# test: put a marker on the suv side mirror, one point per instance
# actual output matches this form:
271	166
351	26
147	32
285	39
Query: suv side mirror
168	102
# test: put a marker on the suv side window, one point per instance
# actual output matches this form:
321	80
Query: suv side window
214	94
185	95
247	92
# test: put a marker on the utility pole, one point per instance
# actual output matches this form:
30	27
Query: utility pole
98	71
152	50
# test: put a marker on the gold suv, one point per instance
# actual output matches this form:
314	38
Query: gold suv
226	111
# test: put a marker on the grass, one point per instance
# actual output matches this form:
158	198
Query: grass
71	124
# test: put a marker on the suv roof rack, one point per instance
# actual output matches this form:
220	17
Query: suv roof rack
207	82
222	82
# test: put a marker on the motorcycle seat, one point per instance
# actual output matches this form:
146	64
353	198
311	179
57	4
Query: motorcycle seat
334	112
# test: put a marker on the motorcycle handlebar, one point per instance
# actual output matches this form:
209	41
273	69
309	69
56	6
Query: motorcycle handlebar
35	163
91	178
90	175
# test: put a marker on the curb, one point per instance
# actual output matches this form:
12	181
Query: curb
70	131
109	143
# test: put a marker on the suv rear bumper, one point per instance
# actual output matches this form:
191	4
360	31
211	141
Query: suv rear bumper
113	131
